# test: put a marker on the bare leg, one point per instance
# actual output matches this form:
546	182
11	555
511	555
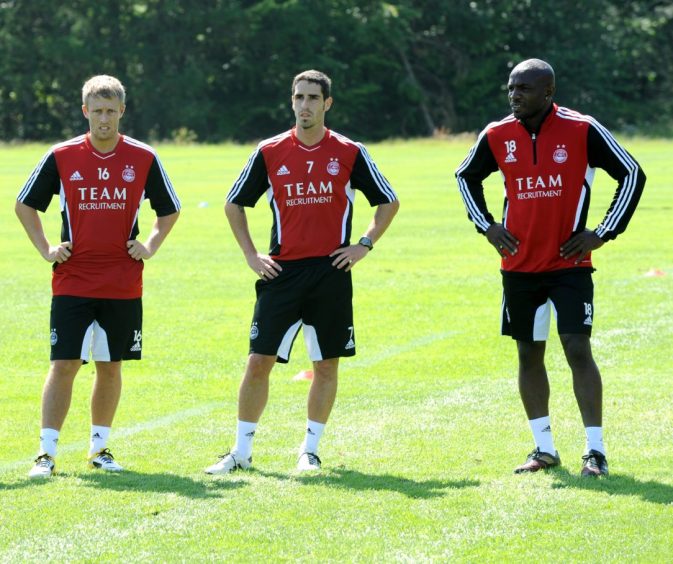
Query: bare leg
254	390
107	390
533	381
587	382
323	390
57	392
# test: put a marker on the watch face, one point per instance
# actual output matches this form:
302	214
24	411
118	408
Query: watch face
367	242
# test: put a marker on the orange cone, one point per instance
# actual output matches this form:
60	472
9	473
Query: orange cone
655	272
303	375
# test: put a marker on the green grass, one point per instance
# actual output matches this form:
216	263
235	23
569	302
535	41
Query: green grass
418	454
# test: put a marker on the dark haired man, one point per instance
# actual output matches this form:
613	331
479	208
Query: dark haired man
315	77
547	155
308	175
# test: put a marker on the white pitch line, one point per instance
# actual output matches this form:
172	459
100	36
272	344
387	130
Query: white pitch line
385	354
123	432
206	408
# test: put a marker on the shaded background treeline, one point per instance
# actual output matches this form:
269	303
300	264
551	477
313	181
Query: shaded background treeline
217	70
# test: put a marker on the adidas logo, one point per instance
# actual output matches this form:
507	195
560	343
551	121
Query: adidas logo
510	158
76	176
138	338
309	432
282	171
350	344
250	434
96	436
547	429
588	321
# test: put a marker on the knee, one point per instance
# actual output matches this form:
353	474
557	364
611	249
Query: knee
577	349
326	370
531	356
64	369
108	370
259	366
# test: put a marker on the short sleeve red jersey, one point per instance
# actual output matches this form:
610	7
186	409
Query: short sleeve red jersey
310	190
100	196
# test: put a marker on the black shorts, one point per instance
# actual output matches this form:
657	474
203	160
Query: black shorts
111	330
310	293
528	299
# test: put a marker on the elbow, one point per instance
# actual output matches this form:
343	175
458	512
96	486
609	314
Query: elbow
395	206
20	209
228	208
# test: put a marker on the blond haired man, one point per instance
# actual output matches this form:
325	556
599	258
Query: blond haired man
101	177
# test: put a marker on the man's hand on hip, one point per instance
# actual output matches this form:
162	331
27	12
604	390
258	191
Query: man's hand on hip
263	265
60	253
346	257
137	250
503	241
581	245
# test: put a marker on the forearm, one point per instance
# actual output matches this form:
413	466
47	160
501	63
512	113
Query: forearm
30	220
605	152
239	227
477	166
383	217
162	227
472	194
623	204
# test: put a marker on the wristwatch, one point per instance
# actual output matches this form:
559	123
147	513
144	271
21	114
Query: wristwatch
366	242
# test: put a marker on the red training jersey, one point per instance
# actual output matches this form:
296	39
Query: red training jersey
548	177
310	190
100	196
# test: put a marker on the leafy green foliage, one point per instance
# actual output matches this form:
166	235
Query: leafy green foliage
223	69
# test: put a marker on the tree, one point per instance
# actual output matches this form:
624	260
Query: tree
221	69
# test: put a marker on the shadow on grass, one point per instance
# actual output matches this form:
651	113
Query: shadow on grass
22	484
354	480
159	483
616	484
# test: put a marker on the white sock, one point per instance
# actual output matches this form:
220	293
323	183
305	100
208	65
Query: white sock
99	437
313	433
245	432
48	441
595	439
541	428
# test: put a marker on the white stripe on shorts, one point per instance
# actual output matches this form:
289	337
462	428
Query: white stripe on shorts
311	340
542	321
286	344
95	341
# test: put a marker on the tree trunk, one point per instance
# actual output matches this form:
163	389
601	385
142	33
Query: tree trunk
430	124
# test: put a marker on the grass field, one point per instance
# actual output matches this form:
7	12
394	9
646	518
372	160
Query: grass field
419	452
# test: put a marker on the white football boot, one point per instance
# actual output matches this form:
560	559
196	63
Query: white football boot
229	463
103	460
308	461
44	467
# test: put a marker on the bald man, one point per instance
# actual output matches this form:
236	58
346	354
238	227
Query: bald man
547	155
